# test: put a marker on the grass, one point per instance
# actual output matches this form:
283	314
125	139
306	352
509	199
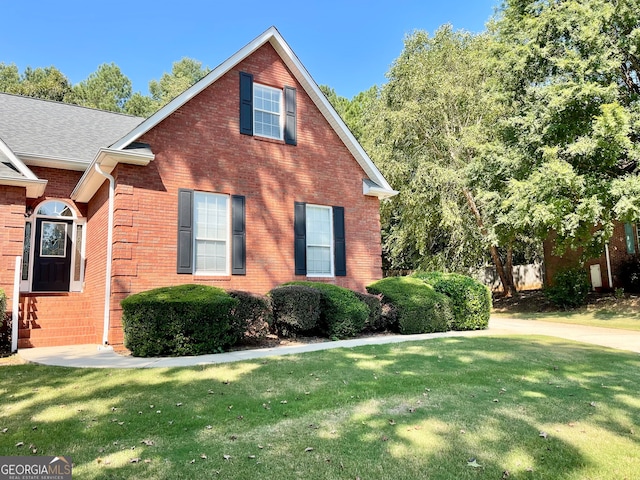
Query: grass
601	311
400	411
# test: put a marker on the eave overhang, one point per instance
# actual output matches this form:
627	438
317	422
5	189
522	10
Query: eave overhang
108	159
35	188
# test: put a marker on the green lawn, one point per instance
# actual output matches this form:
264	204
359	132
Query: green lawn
456	408
612	316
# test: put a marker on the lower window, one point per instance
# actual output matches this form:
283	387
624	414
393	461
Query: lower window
211	222
319	241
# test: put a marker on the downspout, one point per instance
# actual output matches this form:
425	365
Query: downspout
608	257
107	285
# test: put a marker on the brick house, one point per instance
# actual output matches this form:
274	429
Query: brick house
246	180
603	272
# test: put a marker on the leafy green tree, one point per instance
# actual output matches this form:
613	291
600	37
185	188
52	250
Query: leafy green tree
106	89
353	112
47	83
570	69
140	105
9	78
184	74
430	135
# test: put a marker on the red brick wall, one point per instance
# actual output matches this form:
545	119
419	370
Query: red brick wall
617	255
200	147
12	208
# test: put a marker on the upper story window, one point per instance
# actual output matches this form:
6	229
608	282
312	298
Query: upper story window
267	111
267	121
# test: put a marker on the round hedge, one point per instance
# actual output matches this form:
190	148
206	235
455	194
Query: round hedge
418	306
178	320
470	299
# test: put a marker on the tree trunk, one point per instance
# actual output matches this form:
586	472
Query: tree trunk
509	271
507	282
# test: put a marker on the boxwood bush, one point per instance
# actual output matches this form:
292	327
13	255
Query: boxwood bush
376	322
179	320
419	308
470	299
342	313
296	309
252	317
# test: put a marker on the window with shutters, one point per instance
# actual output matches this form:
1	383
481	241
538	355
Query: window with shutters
268	112
319	241
267	108
211	233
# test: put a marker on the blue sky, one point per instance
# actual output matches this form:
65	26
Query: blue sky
347	45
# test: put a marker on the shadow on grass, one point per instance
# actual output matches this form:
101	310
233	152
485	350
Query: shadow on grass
414	410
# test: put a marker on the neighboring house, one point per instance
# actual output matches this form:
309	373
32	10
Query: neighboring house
603	271
247	180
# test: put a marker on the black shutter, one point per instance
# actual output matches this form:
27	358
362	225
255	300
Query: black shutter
238	236
185	231
339	244
246	103
290	128
300	232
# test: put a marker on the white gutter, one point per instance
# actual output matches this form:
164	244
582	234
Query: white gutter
107	285
606	251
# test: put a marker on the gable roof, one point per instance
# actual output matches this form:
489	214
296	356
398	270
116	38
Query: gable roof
46	133
380	187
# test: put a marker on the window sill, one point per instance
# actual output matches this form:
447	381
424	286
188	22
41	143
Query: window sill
269	140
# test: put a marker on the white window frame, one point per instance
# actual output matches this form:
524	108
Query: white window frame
74	285
279	114
331	246
226	240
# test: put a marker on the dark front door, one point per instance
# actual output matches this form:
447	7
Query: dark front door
52	259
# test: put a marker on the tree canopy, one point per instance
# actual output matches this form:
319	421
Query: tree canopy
571	69
106	89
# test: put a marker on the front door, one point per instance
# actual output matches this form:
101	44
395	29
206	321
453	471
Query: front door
52	255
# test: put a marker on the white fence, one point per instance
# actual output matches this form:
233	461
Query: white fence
525	277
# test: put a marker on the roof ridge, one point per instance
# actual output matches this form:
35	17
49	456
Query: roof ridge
57	102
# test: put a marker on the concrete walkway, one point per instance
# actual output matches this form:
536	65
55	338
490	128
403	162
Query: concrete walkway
92	356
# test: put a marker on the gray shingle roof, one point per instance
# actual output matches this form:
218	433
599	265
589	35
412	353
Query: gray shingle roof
34	127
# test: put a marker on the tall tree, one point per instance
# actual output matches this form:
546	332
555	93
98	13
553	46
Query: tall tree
47	83
106	89
429	136
184	74
571	70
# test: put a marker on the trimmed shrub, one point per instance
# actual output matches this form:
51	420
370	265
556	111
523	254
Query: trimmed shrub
470	299
419	308
375	321
342	313
252	317
180	320
629	274
570	288
296	309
